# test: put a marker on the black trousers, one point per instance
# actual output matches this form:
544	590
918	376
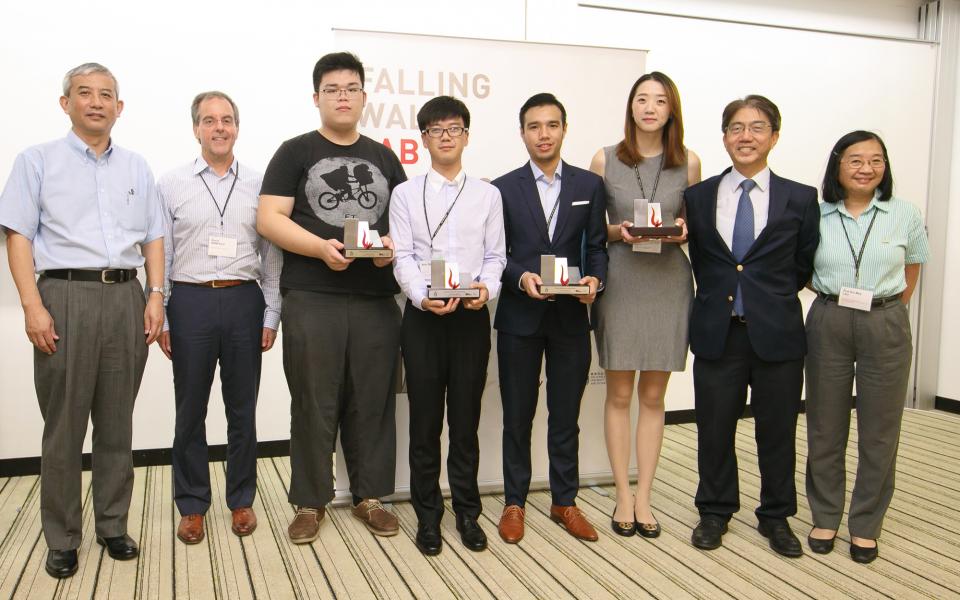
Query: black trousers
519	359
720	388
208	325
446	363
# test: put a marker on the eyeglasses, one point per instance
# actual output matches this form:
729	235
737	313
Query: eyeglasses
437	132
333	93
757	127
855	164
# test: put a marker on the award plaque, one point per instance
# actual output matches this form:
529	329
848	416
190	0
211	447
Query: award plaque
557	277
648	221
359	241
445	281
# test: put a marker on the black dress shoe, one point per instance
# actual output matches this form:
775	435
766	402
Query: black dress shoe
624	528
782	540
470	534
428	539
821	546
708	534
862	554
61	563
121	547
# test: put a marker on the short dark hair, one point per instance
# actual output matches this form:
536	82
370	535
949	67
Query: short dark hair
832	190
761	103
542	99
440	108
336	61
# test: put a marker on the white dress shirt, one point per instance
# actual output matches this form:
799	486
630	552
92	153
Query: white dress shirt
472	236
728	197
549	192
191	217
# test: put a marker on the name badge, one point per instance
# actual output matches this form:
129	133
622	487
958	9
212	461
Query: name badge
221	245
855	298
650	247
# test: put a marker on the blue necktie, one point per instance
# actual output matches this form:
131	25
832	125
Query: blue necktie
742	234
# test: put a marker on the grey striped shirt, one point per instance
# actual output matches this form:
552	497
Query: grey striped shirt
191	217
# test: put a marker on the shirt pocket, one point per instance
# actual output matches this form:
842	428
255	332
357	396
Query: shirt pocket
130	209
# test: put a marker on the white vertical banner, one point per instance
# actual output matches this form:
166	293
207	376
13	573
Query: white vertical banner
494	78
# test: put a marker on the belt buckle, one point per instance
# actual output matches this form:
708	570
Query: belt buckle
740	319
214	285
103	275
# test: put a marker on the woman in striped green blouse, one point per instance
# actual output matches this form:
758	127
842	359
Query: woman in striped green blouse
865	271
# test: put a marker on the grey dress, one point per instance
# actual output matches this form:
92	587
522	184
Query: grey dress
642	315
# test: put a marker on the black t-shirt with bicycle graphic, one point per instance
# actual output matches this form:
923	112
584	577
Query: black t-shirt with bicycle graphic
329	183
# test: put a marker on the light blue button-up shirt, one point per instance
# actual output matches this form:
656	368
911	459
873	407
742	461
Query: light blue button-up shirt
549	192
898	238
79	211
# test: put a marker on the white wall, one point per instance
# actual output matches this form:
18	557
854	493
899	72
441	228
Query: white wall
824	84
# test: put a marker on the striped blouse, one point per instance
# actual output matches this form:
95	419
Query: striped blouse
898	238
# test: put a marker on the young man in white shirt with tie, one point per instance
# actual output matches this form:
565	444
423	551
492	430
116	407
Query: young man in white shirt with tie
446	343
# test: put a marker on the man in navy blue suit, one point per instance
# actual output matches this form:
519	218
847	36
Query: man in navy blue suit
549	207
752	240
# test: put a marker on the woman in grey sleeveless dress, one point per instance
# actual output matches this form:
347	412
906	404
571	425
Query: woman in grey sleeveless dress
641	317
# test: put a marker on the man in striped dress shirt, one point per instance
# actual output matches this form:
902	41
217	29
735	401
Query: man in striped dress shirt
216	312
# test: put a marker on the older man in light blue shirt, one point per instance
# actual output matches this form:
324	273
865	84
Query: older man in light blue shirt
83	213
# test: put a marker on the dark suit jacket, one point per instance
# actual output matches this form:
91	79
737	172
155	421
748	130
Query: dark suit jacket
776	267
580	236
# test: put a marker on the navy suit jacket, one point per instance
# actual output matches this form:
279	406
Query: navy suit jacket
580	235
776	267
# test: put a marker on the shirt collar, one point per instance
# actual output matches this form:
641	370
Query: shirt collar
539	175
200	165
762	179
81	146
437	181
838	206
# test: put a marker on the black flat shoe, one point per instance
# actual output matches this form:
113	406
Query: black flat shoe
121	547
864	555
624	528
820	546
782	540
708	534
648	530
471	534
61	563
428	539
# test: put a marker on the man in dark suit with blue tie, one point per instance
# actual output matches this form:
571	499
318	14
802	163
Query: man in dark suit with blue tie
549	207
752	240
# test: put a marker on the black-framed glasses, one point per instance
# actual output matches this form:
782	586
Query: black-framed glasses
333	93
756	127
452	131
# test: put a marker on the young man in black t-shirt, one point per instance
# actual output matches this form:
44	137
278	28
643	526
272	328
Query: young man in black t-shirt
341	324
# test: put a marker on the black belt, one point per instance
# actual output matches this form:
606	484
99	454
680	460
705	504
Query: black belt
104	276
876	301
217	283
738	319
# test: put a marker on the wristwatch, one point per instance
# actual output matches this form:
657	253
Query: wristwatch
158	290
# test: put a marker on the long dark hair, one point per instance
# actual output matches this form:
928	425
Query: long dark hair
675	153
832	190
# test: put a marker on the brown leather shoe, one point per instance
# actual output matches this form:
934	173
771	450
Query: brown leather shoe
574	522
305	526
190	530
378	519
244	521
511	523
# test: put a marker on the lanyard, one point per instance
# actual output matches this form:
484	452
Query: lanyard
656	181
230	193
858	258
447	214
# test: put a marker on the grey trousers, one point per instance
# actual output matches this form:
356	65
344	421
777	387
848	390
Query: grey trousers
875	348
94	374
339	356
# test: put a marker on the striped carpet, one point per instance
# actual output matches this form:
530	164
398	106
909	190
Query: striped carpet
919	558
